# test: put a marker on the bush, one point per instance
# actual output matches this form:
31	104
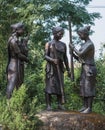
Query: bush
12	115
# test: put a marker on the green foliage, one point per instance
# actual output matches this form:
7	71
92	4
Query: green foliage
73	100
13	116
99	103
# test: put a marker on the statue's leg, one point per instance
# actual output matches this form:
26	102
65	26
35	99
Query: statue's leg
59	99
90	102
85	104
11	84
48	101
89	109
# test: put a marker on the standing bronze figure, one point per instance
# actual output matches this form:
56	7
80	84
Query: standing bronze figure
17	54
88	73
56	57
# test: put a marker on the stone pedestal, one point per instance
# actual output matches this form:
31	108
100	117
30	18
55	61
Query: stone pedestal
67	120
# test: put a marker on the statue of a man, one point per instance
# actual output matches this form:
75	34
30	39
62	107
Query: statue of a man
56	57
88	74
16	58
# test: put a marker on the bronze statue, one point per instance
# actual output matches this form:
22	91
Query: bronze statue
55	55
88	73
17	54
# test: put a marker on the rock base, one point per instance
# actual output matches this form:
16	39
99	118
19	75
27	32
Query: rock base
68	120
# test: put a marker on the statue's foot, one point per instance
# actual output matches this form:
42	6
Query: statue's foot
49	108
60	107
82	109
86	111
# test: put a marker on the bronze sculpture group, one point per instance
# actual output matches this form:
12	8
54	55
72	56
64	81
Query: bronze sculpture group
56	58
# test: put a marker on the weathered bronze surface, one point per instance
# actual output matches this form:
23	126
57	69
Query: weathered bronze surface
17	54
55	55
88	74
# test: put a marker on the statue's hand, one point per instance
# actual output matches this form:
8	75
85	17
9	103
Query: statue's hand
71	46
55	61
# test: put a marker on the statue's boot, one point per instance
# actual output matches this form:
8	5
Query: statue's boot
89	109
85	104
48	102
49	108
60	106
86	111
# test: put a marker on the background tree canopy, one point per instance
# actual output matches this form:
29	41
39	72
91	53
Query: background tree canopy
40	16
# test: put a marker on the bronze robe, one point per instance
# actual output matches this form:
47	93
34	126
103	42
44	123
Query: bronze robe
52	78
15	67
88	72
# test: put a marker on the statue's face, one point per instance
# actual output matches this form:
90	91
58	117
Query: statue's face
20	31
82	35
59	35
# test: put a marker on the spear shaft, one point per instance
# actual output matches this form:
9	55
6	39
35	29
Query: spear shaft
70	50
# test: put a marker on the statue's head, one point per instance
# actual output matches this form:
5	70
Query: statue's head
18	28
58	32
83	32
